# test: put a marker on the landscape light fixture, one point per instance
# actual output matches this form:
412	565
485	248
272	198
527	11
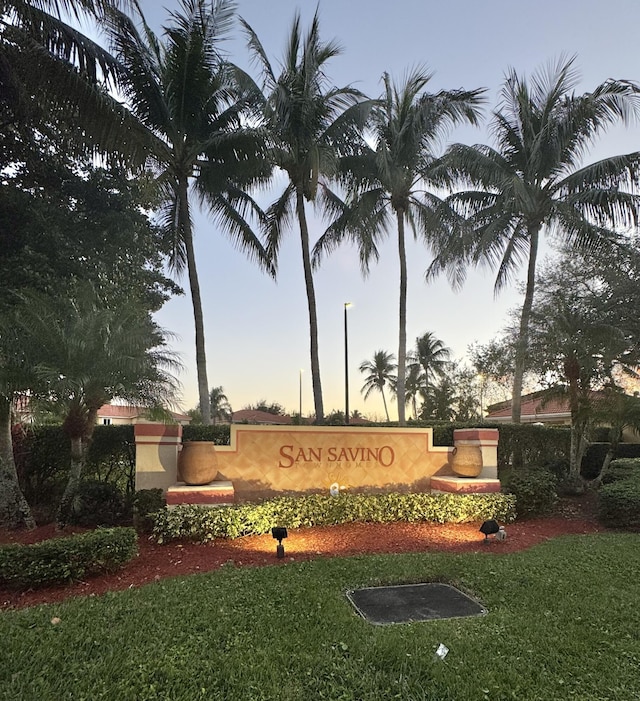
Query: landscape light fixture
279	533
488	528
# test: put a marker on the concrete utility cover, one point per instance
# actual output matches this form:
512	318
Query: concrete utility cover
407	603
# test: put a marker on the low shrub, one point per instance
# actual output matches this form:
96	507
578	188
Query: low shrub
534	490
96	504
204	524
146	503
67	559
622	469
619	504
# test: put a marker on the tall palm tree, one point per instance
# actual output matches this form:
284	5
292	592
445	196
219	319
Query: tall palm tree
53	77
432	356
380	372
533	182
310	123
193	104
388	181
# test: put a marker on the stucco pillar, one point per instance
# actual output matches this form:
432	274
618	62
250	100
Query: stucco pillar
157	447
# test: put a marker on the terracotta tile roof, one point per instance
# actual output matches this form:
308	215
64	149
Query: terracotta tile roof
532	405
126	411
252	416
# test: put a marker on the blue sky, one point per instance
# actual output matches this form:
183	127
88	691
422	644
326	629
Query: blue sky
257	329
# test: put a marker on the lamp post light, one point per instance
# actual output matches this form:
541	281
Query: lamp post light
481	378
346	366
300	396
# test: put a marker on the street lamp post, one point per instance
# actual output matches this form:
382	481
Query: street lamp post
300	396
346	366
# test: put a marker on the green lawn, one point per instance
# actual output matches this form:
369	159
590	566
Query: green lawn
563	623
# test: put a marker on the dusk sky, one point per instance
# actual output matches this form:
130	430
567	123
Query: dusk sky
257	329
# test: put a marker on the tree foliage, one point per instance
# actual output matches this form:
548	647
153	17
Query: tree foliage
533	182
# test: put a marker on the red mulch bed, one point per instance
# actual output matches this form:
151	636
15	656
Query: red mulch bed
156	562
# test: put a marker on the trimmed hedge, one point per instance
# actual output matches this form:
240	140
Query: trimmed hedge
205	524
220	434
534	489
619	504
67	559
622	469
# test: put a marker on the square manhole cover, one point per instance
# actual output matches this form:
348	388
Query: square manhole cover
406	603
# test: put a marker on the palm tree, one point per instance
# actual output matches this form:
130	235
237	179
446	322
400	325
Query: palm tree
533	182
388	181
220	407
84	352
192	104
53	78
432	356
310	123
381	371
414	384
440	400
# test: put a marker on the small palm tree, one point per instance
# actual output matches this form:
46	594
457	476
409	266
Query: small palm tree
533	182
432	356
388	183
440	400
310	123
414	385
83	353
220	407
380	372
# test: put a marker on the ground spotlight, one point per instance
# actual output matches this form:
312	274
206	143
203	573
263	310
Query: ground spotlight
279	533
490	527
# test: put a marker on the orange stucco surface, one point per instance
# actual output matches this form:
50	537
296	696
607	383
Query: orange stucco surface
263	460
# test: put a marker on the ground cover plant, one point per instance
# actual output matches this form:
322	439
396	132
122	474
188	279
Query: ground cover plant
562	623
204	525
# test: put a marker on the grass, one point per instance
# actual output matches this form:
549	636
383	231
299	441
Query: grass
563	623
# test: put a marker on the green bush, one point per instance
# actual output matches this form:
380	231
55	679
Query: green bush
96	504
146	503
43	457
534	489
619	504
66	559
622	469
220	433
204	524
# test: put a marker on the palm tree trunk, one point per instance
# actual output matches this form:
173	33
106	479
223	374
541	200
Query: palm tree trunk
196	301
80	442
402	340
14	510
384	401
311	303
523	336
615	437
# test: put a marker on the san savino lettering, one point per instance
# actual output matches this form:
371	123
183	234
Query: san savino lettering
290	455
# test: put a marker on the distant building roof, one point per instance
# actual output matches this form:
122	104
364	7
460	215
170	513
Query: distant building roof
252	416
535	407
127	411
